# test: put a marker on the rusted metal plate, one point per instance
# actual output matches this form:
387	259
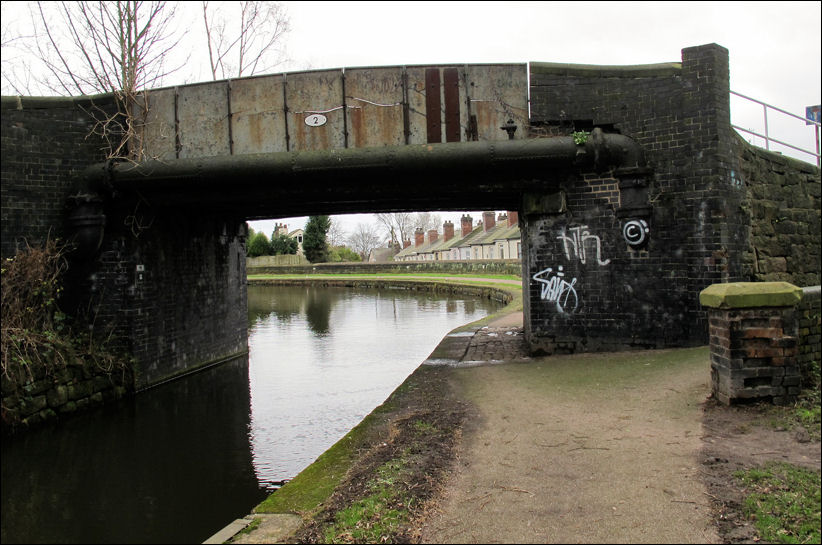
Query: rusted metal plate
433	106
451	92
258	120
374	98
203	113
159	139
498	92
372	113
308	93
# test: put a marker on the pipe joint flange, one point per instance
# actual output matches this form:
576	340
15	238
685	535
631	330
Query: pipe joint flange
85	225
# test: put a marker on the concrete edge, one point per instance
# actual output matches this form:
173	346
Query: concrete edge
232	529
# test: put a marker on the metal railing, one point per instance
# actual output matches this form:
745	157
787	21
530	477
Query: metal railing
767	137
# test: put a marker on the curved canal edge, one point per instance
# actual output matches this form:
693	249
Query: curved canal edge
282	513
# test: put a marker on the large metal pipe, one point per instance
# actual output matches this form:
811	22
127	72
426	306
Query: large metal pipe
458	160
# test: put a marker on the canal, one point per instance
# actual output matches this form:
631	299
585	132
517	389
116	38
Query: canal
178	462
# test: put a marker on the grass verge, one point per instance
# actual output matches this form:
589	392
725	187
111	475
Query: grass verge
784	502
399	276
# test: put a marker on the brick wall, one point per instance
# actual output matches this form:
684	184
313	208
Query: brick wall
754	354
167	285
173	292
697	216
764	339
45	142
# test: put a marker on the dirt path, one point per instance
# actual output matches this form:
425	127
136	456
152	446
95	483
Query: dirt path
589	448
555	455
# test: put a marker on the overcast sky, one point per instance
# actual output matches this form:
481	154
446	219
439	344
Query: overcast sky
775	47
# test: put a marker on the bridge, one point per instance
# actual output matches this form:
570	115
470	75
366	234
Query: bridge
633	191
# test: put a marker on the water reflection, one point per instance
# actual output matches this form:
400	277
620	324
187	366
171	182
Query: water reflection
318	373
177	463
172	465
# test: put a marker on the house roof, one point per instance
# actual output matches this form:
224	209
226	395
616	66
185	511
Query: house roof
477	236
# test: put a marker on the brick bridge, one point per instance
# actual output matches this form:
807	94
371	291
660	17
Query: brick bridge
620	232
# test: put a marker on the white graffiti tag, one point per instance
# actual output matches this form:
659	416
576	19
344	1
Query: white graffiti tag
574	245
556	289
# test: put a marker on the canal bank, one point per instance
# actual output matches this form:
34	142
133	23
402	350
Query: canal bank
278	517
480	448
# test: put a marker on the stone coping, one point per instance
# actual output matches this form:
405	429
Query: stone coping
750	294
597	70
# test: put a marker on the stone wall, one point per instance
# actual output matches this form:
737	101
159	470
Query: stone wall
275	260
78	384
500	295
783	204
483	266
809	332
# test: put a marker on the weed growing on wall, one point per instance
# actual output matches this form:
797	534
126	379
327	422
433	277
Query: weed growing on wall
31	322
38	341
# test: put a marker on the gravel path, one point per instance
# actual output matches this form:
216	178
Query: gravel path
553	455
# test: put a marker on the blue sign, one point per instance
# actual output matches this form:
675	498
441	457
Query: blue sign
812	113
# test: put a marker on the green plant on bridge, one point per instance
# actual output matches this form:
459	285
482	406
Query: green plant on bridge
580	137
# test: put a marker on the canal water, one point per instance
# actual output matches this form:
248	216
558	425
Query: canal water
178	462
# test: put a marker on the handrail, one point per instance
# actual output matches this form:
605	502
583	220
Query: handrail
767	137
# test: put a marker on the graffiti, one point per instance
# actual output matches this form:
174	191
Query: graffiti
575	245
556	289
635	232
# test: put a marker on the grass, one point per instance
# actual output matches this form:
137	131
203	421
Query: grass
400	276
253	525
784	502
805	411
376	515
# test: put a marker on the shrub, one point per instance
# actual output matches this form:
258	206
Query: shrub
258	245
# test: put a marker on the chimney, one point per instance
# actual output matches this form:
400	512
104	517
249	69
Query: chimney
513	218
466	223
419	237
432	236
447	231
406	244
488	221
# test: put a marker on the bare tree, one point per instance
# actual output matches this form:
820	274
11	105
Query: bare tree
85	48
16	72
399	225
365	238
253	46
427	221
336	235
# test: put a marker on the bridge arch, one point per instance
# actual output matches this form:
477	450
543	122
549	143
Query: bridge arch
620	232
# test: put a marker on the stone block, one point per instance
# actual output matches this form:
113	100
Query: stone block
750	294
57	396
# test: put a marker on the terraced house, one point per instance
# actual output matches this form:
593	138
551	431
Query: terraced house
491	238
